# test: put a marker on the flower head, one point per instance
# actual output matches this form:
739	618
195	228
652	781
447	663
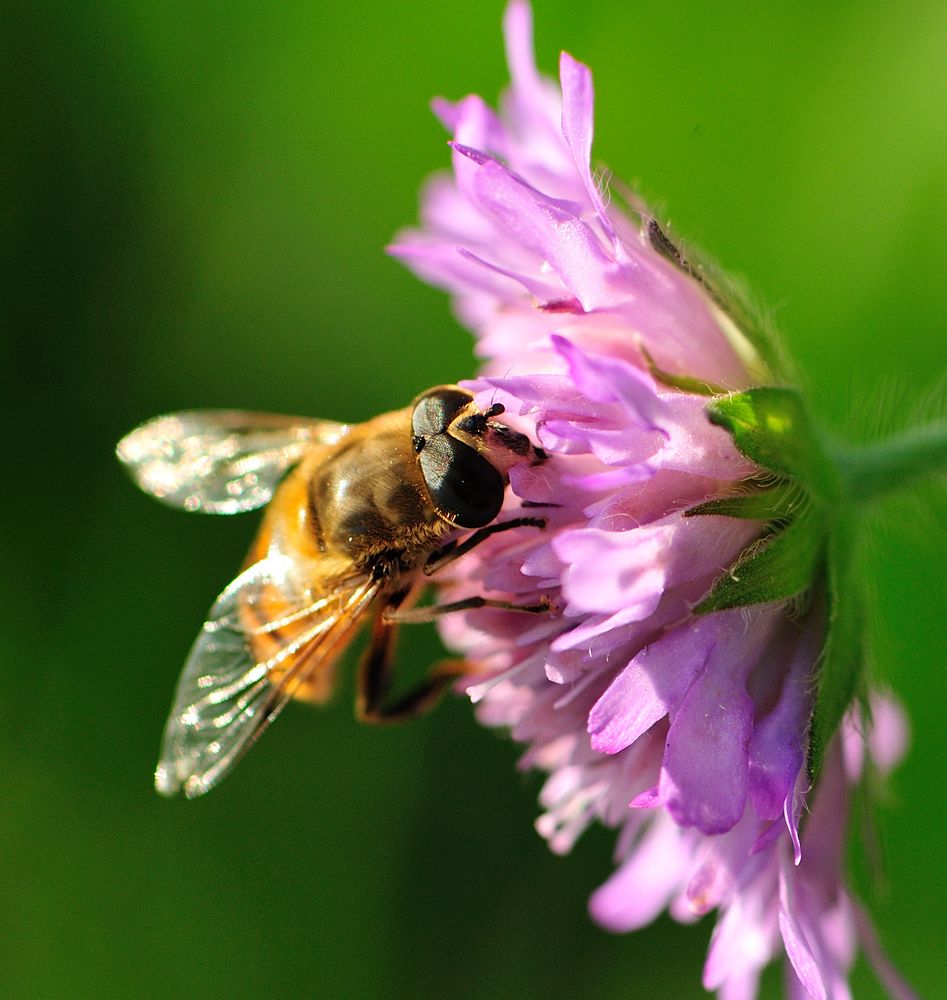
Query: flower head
670	693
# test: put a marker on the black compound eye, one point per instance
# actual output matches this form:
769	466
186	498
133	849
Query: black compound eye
434	411
462	483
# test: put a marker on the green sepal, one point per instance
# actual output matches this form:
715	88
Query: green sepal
772	504
778	567
686	383
843	656
770	426
805	547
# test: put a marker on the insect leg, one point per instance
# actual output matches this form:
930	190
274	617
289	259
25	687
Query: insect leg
428	613
375	674
417	700
454	549
374	677
374	671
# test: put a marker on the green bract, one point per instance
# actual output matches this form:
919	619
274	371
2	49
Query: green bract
771	427
844	653
805	549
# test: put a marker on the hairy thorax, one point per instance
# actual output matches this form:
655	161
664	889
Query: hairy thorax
361	503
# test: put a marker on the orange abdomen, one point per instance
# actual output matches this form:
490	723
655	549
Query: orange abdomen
276	623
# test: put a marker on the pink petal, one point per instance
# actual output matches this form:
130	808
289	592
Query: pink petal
798	948
650	798
609	380
887	733
599	634
578	100
538	289
518	34
607	571
726	867
533	105
778	744
472	122
476	129
452	217
442	265
557	235
742	943
652	683
792	809
696	446
704	777
638	891
554	394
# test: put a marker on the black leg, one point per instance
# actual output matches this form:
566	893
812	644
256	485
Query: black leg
419	699
374	680
374	672
428	613
454	549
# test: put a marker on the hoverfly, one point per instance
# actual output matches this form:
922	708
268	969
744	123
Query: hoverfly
367	514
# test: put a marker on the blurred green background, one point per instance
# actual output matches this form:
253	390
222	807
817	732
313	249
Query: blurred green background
195	201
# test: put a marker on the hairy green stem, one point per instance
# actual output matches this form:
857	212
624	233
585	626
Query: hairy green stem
876	470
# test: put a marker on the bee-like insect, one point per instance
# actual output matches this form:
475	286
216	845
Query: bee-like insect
369	512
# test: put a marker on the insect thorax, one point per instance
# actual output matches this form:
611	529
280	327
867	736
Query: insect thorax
369	500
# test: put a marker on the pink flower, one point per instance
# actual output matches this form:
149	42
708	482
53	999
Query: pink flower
522	237
685	731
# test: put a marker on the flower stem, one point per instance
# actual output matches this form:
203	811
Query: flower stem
876	470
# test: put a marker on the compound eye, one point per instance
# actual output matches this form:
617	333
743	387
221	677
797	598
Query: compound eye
435	410
462	483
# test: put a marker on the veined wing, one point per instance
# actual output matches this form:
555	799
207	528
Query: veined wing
219	461
229	692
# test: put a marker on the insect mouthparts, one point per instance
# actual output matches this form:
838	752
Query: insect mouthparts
474	424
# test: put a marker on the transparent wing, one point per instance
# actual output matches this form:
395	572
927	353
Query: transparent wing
219	461
246	664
